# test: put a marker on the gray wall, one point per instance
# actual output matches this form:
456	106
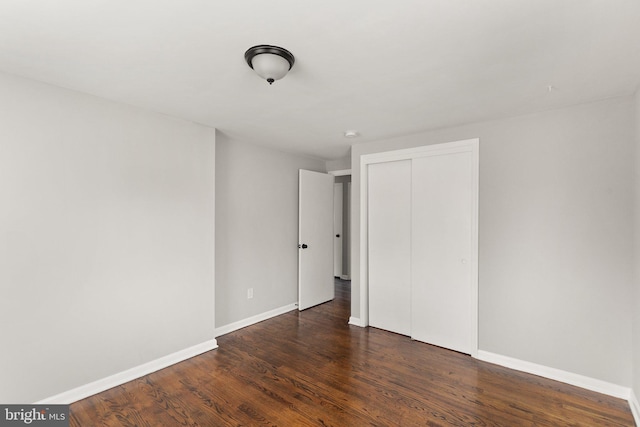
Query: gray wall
339	164
256	228
555	248
106	238
636	299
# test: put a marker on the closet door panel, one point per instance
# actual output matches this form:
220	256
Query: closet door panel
389	207
441	250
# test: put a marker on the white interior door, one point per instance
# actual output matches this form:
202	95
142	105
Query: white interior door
389	199
315	239
441	251
337	229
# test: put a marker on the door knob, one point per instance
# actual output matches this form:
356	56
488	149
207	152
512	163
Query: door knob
303	246
337	235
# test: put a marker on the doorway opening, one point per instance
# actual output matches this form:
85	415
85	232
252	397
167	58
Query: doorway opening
342	225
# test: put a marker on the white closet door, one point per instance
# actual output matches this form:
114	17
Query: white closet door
389	207
441	254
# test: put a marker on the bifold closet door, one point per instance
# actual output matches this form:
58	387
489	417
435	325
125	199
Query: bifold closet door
389	208
441	250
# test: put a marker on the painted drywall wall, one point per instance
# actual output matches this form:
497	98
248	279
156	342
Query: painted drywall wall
636	296
555	248
342	163
256	228
106	238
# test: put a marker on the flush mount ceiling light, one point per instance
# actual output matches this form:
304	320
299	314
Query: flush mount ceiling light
351	134
270	62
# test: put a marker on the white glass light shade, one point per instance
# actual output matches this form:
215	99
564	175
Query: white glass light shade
269	62
270	67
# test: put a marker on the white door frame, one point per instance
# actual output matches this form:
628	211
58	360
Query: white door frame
469	145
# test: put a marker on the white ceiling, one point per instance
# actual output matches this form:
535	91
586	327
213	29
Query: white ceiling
382	67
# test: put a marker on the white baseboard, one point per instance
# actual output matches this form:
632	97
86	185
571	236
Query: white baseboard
356	322
254	319
635	407
345	277
120	378
582	381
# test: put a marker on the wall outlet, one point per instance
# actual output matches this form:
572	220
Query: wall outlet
249	293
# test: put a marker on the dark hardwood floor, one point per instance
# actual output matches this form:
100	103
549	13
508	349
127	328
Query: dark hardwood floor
313	369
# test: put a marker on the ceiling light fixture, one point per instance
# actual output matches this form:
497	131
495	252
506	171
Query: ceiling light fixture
351	134
270	62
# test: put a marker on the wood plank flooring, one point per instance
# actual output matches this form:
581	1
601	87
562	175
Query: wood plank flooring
311	368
